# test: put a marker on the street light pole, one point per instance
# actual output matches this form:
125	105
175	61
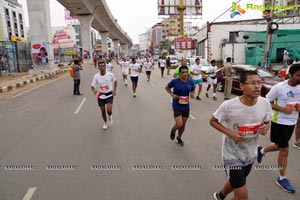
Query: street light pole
268	37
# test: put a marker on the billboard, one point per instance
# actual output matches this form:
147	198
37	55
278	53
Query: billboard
63	37
39	52
69	15
184	43
193	8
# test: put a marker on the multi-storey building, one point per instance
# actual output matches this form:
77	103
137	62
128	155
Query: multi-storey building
156	36
12	18
171	27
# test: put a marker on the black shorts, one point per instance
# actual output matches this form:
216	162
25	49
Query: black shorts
134	79
148	72
162	68
102	102
237	175
183	113
281	134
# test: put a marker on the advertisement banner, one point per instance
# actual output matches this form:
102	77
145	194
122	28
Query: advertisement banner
184	43
39	53
63	37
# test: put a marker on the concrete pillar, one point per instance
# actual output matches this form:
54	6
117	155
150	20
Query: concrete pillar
125	49
40	28
116	46
85	32
104	37
130	50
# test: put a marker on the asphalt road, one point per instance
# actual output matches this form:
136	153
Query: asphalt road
52	146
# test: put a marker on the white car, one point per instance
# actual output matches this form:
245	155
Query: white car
174	62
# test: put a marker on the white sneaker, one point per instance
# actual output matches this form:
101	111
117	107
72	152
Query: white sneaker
104	126
110	120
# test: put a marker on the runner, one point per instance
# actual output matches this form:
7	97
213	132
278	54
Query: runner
124	67
183	62
134	70
105	84
183	88
148	66
163	64
197	77
241	120
284	98
109	66
212	79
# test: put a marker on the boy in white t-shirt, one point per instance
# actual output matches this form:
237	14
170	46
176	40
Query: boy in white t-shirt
241	120
104	84
124	68
134	71
148	66
197	76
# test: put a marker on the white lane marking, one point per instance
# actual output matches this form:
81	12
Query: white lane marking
29	193
20	94
80	106
152	84
192	117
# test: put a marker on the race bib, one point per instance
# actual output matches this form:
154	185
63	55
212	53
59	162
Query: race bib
249	130
183	100
292	105
104	88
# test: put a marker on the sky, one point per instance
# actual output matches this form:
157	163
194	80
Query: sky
136	16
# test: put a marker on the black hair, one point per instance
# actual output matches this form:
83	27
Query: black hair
213	61
228	59
183	67
294	68
76	62
197	59
43	48
246	73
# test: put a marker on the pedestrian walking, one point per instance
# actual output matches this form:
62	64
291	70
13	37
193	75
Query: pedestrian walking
76	68
228	72
241	120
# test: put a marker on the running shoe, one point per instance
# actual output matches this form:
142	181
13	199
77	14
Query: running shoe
172	135
285	185
179	141
259	154
215	98
217	196
206	94
134	94
198	98
296	145
104	126
110	120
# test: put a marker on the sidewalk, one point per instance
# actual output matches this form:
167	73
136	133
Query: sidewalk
16	80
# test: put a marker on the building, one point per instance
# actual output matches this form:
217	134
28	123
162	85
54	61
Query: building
144	42
219	40
285	8
171	27
12	19
156	36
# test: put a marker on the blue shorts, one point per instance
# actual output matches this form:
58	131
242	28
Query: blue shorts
102	102
134	79
198	82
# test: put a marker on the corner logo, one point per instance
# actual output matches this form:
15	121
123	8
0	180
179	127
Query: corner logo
236	10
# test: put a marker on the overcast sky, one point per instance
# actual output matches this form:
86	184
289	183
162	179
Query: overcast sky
135	16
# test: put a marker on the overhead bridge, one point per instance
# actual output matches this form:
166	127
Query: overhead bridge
96	14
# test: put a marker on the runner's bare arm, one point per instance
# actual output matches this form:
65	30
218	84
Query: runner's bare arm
264	127
285	110
115	88
192	94
93	90
236	136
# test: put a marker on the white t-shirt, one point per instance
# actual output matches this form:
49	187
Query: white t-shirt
104	84
148	66
162	62
134	69
283	94
124	66
109	67
212	71
196	69
234	115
